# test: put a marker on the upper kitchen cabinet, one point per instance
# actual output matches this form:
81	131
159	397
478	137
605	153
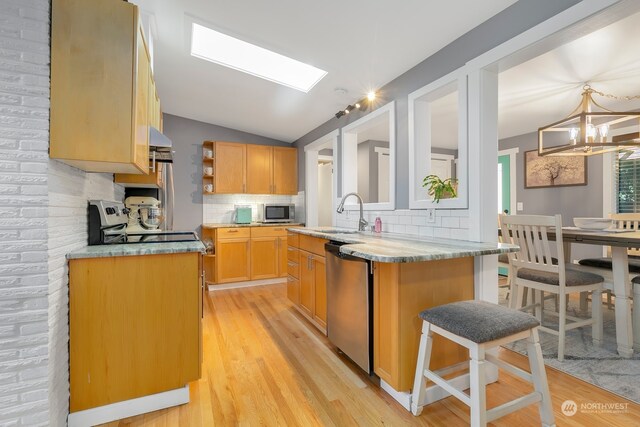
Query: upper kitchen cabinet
103	96
229	167
248	168
285	170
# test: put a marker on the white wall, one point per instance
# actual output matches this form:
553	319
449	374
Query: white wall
24	134
69	191
325	194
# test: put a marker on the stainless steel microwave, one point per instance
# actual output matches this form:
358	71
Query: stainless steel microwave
277	212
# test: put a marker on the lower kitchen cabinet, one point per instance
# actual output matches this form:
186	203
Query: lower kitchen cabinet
247	253
134	326
400	293
233	261
308	290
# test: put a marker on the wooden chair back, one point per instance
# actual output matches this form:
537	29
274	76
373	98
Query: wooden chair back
627	221
530	232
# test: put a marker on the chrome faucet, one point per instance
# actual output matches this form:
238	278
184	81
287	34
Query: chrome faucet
362	223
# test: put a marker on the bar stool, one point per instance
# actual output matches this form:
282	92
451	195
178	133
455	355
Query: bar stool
635	325
480	326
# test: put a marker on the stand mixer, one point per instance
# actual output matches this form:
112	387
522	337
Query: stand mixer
145	215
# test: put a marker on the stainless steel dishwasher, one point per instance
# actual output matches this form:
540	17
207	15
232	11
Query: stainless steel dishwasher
349	302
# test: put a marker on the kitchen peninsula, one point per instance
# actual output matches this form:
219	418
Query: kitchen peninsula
409	275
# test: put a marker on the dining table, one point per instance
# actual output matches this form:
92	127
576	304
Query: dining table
619	241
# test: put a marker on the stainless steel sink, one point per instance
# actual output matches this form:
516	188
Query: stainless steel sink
336	231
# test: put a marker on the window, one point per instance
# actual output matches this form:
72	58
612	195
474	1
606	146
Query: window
627	181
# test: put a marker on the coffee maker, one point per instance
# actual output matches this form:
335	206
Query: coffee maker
145	215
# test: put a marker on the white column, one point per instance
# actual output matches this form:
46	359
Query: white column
483	176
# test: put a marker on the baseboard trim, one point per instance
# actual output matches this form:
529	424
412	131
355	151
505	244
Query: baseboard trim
129	408
213	287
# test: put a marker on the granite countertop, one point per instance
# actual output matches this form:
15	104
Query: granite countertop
252	224
133	249
391	247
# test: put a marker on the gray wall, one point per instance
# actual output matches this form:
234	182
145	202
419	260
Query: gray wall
187	136
510	22
570	202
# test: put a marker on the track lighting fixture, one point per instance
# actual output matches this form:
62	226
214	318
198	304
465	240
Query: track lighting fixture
359	105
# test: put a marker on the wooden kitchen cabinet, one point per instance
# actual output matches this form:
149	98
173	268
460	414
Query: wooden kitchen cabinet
233	259
251	169
229	167
135	326
152	180
100	87
268	252
311	295
259	169
400	292
285	170
283	256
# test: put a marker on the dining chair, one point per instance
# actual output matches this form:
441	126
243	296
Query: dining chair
604	265
532	268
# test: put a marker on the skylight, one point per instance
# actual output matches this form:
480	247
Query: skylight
225	50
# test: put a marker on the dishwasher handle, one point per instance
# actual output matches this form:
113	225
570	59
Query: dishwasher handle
334	249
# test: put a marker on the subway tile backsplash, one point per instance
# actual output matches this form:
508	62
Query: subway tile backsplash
450	224
220	208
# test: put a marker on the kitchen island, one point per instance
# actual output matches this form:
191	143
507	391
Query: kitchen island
135	328
409	275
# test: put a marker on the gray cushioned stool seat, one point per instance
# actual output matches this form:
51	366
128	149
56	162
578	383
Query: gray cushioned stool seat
572	277
504	258
606	263
636	279
479	321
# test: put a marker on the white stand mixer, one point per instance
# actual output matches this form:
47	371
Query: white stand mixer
145	215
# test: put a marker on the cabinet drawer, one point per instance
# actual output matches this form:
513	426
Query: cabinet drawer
292	253
279	231
293	269
314	245
233	232
293	290
293	239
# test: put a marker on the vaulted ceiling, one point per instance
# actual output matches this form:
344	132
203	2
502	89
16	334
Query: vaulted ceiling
363	44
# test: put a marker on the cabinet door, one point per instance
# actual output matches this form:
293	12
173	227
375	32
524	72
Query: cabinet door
285	170
264	258
143	78
259	169
229	169
153	180
282	256
293	290
306	283
320	290
233	260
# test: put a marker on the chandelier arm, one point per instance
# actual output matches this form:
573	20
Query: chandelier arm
600	106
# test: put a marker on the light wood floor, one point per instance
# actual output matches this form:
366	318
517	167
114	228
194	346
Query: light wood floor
264	365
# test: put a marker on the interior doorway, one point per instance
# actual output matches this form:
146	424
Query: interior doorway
321	182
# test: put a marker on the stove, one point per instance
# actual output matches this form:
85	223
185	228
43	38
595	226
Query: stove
162	237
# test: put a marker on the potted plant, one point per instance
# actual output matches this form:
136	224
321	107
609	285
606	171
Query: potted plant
440	189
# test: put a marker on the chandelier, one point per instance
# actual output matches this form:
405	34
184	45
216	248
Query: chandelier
590	129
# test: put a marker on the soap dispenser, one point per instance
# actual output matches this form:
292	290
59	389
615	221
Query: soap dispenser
378	225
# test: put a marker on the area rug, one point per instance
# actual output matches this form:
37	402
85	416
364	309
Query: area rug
600	366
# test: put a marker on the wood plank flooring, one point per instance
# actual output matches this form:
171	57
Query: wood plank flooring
265	365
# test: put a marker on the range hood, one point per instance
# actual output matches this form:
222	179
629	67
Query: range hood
159	146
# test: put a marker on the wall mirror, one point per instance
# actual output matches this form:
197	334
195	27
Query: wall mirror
438	140
368	166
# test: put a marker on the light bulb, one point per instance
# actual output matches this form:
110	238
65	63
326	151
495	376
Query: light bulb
573	135
371	96
604	131
591	132
357	105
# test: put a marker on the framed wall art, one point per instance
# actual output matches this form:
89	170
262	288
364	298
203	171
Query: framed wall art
553	171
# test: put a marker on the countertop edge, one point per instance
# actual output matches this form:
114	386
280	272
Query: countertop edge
212	225
136	249
451	248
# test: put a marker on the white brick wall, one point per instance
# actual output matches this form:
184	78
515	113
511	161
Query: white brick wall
69	191
43	214
24	133
449	223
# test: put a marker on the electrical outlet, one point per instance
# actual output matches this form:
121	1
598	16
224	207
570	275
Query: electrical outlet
431	215
519	206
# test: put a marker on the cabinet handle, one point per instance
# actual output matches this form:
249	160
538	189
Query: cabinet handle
244	188
232	231
278	229
291	263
